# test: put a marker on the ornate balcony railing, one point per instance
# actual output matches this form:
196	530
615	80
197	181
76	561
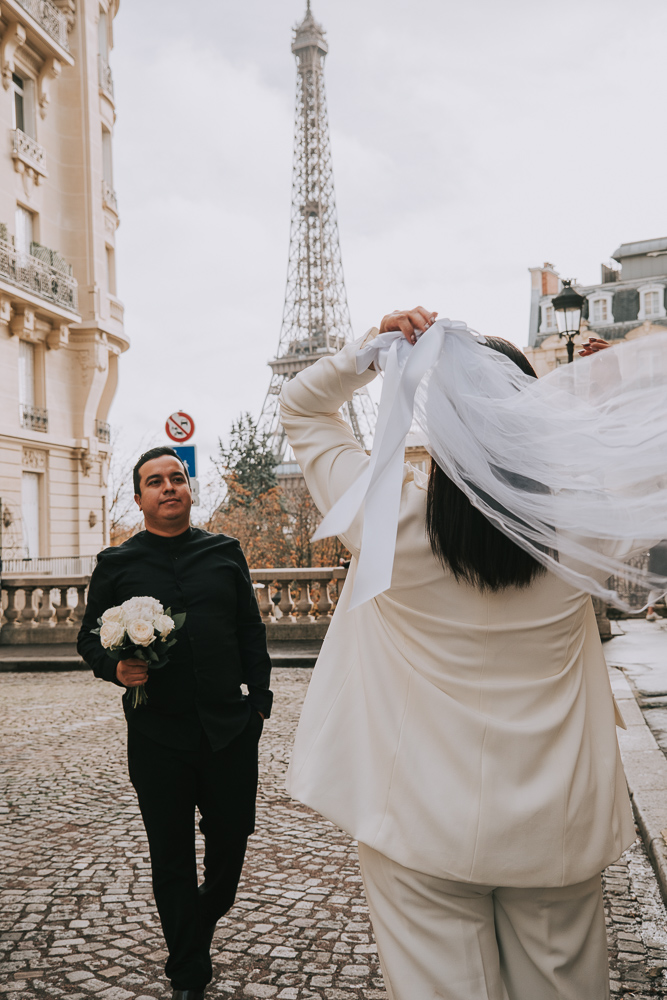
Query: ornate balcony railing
49	18
102	431
34	418
42	272
109	199
29	151
116	309
105	76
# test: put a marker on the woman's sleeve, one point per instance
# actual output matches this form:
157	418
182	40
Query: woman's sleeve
327	451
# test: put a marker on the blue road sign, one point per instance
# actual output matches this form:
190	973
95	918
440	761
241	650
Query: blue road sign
188	456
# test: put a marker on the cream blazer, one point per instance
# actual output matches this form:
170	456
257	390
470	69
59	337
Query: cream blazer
466	735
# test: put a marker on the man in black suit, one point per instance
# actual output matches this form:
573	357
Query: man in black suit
194	742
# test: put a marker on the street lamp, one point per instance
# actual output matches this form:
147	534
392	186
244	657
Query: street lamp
567	306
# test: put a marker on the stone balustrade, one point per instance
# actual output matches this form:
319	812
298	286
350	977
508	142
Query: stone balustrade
296	605
46	608
306	596
40	609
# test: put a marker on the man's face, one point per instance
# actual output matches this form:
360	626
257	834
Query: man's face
165	496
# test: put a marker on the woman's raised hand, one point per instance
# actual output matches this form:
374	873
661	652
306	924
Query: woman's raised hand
594	345
409	322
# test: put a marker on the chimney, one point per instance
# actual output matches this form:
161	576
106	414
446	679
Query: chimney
544	281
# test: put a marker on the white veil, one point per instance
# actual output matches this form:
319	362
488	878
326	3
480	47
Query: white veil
572	467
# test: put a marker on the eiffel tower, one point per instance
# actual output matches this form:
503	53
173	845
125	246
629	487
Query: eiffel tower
316	317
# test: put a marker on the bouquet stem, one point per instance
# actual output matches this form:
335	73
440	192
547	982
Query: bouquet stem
139	696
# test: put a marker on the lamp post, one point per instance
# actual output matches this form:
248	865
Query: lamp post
567	306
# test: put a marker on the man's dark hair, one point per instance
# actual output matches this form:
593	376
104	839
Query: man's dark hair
462	538
150	454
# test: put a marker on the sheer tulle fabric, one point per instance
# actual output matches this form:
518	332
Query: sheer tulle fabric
572	467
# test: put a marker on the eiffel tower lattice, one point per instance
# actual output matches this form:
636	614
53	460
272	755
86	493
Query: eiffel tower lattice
316	317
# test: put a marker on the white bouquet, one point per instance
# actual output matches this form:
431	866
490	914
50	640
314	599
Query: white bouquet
142	629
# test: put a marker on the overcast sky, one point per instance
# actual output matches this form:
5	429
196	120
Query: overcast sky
471	140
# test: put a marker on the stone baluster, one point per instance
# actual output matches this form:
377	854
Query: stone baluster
12	613
29	613
63	610
80	607
263	594
325	604
46	610
286	604
305	606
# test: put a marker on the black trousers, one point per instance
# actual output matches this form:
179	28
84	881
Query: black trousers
169	784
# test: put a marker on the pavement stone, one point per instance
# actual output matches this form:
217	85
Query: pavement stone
77	918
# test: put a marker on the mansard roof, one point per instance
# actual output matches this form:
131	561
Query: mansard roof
653	247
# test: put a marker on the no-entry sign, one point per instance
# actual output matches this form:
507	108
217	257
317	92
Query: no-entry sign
180	426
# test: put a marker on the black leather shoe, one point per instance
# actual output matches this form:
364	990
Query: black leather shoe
188	995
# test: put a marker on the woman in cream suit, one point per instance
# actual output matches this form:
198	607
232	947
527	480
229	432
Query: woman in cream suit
463	732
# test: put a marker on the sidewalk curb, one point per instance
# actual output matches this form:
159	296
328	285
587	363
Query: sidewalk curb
645	768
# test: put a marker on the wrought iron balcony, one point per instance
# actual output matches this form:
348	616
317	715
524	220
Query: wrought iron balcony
43	272
102	431
34	418
105	76
29	152
49	18
109	199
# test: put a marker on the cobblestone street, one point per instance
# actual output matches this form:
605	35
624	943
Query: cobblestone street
77	916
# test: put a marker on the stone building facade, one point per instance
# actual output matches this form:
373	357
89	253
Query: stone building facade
61	323
630	301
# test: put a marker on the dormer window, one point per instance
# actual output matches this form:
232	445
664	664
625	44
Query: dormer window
652	302
548	318
599	312
599	309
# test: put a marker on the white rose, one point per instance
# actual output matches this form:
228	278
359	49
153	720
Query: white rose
112	634
113	615
141	607
140	632
164	625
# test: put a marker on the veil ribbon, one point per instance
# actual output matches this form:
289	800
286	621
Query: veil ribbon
572	467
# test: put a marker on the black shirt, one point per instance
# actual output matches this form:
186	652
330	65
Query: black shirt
221	645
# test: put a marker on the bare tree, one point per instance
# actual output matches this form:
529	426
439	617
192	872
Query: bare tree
125	518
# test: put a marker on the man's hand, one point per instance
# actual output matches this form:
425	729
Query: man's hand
594	345
132	673
408	321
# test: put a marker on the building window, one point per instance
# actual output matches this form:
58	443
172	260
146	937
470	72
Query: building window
599	309
103	35
548	317
111	271
30	514
652	302
600	312
107	162
25	229
23	106
26	373
31	416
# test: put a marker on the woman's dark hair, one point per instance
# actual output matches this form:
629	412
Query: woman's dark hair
462	538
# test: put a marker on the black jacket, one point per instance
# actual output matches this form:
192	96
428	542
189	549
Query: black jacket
221	645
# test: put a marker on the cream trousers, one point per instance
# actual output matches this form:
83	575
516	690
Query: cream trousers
443	940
